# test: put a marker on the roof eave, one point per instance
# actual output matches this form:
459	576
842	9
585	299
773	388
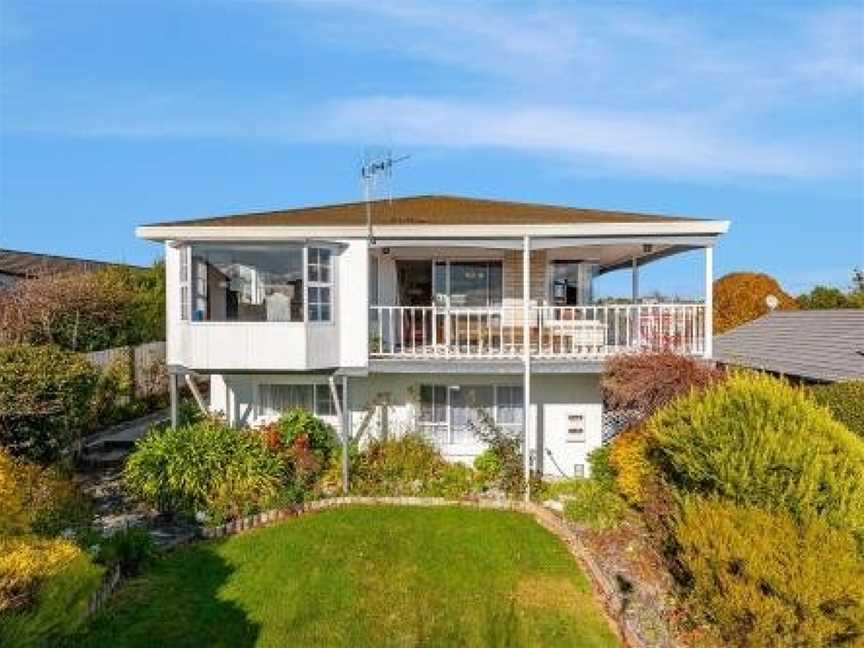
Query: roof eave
283	232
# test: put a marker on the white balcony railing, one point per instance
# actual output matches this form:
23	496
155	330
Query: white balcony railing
587	332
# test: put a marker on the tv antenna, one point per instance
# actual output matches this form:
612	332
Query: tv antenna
377	166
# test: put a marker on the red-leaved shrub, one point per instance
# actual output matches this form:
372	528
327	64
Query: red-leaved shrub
644	382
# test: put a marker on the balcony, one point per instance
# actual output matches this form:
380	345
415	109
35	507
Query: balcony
551	332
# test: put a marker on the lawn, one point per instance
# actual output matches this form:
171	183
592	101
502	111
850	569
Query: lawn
364	576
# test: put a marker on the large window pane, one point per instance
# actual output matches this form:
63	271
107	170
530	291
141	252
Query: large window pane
475	283
276	399
433	413
509	411
469	406
247	283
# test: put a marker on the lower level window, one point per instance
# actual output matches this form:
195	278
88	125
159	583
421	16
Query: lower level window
275	399
452	414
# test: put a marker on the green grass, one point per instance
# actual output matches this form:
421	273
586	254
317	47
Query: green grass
376	576
61	606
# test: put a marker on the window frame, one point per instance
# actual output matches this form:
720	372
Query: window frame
446	290
261	413
184	288
449	436
311	285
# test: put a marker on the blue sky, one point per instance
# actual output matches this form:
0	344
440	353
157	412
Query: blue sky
116	113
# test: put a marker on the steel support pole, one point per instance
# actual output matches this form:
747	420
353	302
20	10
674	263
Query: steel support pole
526	358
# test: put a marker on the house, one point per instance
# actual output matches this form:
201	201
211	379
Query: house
808	345
423	313
16	265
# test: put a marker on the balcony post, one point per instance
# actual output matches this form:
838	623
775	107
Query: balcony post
635	280
709	301
526	355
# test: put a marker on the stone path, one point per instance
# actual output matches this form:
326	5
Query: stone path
102	460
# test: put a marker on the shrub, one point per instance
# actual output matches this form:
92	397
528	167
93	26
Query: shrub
601	469
45	397
132	548
845	400
205	466
766	581
305	444
740	297
86	311
504	455
644	382
26	561
37	499
591	502
59	595
757	440
410	465
628	458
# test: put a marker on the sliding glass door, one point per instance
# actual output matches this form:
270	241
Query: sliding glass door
468	284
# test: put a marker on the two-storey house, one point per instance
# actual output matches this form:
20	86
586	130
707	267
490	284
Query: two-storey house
424	314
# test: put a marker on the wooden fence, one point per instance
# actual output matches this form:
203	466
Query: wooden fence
144	362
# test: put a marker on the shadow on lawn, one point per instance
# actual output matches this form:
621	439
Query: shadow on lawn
177	603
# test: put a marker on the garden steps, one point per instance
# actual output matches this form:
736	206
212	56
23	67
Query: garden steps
111	446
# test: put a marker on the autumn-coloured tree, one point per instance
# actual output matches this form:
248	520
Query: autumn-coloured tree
740	297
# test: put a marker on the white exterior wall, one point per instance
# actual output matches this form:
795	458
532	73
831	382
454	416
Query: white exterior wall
554	398
343	342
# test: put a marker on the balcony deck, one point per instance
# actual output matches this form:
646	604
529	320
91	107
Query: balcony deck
587	333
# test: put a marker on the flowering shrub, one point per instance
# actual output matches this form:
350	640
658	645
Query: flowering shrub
763	580
629	460
45	399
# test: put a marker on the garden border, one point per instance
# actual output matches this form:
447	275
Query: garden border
604	588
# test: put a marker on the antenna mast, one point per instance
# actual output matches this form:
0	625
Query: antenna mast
375	166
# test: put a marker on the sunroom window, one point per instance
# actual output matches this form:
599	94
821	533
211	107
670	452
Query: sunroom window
320	271
247	283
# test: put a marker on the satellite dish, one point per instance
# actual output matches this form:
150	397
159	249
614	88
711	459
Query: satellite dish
772	302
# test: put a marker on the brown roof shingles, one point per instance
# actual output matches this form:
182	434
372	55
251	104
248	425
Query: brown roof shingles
428	210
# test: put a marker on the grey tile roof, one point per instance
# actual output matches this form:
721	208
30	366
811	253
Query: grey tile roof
31	264
825	345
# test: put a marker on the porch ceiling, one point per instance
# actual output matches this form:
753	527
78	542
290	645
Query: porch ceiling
608	255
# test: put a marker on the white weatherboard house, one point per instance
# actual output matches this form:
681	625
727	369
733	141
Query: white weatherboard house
443	307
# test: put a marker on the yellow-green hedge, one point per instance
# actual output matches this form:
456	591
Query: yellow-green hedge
759	441
763	580
845	400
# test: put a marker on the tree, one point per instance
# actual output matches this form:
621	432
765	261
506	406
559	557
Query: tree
825	297
740	297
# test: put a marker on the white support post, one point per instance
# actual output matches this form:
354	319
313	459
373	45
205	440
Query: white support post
709	301
341	416
346	433
172	391
635	277
526	355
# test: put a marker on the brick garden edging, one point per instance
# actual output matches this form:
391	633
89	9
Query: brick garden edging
603	587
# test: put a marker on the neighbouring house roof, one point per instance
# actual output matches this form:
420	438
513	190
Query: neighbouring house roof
20	264
428	210
823	345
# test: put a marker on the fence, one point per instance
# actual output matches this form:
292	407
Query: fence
144	366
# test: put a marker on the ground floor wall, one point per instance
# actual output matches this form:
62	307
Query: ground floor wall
566	410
